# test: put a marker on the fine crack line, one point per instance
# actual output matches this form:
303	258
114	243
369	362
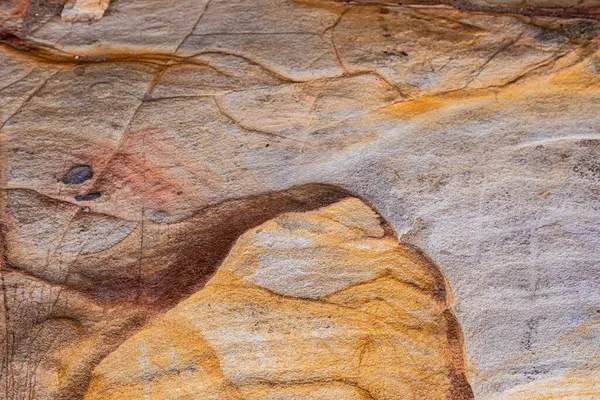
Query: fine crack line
533	70
245	128
141	257
141	223
256	33
6	361
312	118
64	201
194	27
333	44
57	44
147	95
28	99
48	53
62	234
18	80
500	50
267	68
526	74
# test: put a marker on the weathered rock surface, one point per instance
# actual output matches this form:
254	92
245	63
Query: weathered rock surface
315	305
84	10
474	133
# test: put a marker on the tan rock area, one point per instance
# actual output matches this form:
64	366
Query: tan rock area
175	172
314	305
84	10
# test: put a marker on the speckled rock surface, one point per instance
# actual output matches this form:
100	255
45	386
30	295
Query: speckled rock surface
137	148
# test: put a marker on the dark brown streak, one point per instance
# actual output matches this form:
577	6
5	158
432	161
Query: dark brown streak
467	6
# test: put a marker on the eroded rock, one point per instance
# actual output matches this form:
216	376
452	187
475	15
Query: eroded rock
84	10
474	133
310	305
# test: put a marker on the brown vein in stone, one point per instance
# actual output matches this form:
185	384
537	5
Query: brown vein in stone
468	6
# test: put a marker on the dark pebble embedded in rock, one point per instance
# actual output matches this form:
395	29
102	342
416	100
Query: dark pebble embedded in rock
77	175
89	196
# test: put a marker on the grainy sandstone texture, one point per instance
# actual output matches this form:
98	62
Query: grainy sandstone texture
181	214
309	305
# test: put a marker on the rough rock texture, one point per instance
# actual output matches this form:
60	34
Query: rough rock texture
136	149
315	305
84	10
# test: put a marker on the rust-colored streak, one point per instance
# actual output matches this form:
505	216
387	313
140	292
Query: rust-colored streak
374	315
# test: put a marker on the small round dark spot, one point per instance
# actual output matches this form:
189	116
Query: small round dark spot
267	145
77	175
158	216
88	197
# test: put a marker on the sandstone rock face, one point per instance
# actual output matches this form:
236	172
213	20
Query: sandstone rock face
137	148
315	305
84	10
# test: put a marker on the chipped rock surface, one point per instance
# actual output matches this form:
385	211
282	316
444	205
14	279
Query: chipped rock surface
139	153
84	10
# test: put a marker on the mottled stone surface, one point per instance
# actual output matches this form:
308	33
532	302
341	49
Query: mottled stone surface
84	10
473	131
314	305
